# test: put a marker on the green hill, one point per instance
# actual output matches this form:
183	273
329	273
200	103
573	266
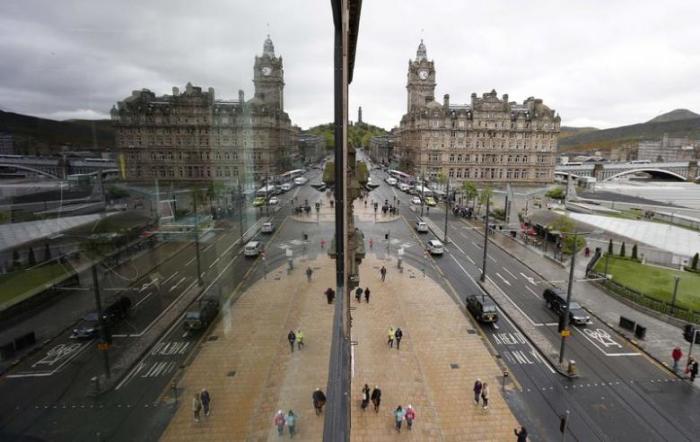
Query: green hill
358	134
675	115
606	139
33	135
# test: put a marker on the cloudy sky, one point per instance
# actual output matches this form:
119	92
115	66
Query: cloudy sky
597	62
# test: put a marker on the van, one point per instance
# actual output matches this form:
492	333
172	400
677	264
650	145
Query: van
253	248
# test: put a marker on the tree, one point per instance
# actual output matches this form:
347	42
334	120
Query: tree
694	264
556	193
469	190
610	247
566	226
484	196
634	252
622	250
31	259
329	173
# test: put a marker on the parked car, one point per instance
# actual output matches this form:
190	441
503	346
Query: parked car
259	201
435	247
404	187
286	187
89	326
274	201
252	248
391	181
430	201
267	228
202	315
555	298
482	308
300	181
421	227
415	200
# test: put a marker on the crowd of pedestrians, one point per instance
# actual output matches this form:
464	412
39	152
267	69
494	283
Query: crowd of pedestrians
289	420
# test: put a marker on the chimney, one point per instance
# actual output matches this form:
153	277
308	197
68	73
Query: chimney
241	96
446	101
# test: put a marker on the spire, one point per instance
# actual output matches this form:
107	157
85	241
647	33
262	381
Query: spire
421	54
268	47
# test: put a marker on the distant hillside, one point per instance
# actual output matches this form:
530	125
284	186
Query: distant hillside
568	131
358	134
607	138
33	135
675	115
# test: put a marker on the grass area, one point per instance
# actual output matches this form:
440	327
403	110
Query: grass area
655	282
18	283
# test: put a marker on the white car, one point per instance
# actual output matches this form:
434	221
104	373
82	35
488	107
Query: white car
300	181
253	248
391	181
415	200
404	187
286	187
267	228
274	201
421	227
435	247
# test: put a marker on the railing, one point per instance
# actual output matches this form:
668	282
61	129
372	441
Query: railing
649	302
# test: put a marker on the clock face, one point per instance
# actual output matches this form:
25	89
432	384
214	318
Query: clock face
266	71
423	74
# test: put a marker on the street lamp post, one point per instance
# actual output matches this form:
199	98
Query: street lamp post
676	280
565	323
486	239
422	194
447	208
196	238
100	319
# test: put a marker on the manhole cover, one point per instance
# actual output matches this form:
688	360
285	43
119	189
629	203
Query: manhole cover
212	338
471	332
231	373
454	366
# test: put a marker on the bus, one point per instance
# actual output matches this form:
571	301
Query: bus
422	191
289	176
266	191
401	177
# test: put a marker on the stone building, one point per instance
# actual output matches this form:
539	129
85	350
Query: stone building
381	148
668	149
7	145
490	140
312	148
192	136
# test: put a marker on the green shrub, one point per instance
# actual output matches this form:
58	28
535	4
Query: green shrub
634	252
694	264
610	247
622	250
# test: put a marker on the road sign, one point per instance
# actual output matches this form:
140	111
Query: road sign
566	333
103	346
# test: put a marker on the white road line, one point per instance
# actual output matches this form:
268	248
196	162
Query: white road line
142	300
491	258
170	277
529	279
191	260
214	263
466	273
177	284
209	246
476	245
458	247
55	370
509	272
532	291
514	304
600	349
471	260
503	279
544	360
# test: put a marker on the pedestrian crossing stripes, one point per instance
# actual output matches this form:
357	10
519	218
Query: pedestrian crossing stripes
170	348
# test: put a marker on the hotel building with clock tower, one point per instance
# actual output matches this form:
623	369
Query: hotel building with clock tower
489	140
193	136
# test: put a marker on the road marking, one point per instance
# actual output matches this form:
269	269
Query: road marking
471	260
604	338
503	279
536	324
509	272
170	277
215	261
476	245
491	258
458	247
177	284
532	349
532	291
529	279
51	355
191	260
209	246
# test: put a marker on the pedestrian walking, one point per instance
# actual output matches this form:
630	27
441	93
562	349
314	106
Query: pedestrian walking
522	434
676	354
376	398
410	416
398	334
300	339
485	395
309	272
365	397
358	294
398	417
371	243
330	294
477	390
390	337
319	400
367	295
279	422
382	272
196	407
692	369
291	337
206	400
291	422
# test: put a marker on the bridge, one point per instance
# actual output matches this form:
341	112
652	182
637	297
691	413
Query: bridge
681	171
24	166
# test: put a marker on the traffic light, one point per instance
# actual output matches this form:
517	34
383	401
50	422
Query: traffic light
688	332
562	315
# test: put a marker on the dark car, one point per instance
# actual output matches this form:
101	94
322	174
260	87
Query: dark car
555	298
87	328
482	308
117	310
200	317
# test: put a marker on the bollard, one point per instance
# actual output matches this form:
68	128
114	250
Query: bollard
96	383
505	376
571	369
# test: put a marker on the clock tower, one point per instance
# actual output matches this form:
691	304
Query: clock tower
268	77
421	79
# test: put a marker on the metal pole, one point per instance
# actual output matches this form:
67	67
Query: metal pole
240	209
566	425
422	192
100	319
486	240
676	279
196	238
568	301
607	261
447	208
